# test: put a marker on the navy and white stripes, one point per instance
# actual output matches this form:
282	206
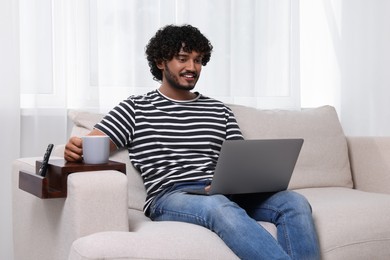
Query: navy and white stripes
170	141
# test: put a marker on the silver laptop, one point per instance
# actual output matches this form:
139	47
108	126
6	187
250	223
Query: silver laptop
254	166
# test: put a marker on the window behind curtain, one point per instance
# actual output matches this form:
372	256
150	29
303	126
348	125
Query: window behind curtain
90	54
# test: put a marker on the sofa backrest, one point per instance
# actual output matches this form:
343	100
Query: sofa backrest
323	160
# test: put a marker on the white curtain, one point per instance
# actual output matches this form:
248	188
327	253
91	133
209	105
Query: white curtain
9	117
90	54
345	60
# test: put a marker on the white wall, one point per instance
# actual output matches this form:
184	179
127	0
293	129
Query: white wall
345	58
9	117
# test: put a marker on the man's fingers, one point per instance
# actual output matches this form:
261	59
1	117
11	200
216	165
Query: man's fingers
73	149
72	157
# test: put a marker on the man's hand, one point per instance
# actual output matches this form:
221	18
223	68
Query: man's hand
74	149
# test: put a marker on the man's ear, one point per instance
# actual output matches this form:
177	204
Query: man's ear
160	64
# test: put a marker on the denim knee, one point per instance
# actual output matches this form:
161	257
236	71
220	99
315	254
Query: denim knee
296	202
224	210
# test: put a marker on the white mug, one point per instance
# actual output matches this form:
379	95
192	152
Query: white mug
96	149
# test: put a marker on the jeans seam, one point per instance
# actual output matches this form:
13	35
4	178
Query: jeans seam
198	219
282	216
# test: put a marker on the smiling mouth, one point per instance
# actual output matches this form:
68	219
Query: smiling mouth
188	75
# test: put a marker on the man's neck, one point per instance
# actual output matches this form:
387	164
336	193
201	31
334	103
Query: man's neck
177	94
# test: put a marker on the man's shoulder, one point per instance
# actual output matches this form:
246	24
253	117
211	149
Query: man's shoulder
136	101
213	102
207	99
144	97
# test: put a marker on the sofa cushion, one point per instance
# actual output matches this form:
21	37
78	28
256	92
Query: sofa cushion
323	160
148	239
351	224
83	121
155	240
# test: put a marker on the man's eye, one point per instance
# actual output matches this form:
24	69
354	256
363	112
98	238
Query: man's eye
198	61
181	59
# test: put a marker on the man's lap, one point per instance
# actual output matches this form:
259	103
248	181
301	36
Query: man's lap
176	203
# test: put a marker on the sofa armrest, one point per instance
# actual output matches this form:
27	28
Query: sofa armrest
97	201
46	228
370	163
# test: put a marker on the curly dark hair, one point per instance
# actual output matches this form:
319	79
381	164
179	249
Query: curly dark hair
169	40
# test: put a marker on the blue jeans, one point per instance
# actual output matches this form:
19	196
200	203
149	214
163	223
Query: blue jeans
234	218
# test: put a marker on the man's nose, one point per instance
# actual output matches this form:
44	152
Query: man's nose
190	65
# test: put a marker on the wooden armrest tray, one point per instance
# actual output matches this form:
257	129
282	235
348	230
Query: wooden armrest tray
54	184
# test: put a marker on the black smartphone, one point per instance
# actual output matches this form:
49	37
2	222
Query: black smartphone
45	162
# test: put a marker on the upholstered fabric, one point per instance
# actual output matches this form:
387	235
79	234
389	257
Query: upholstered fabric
180	241
83	121
323	160
185	241
33	218
44	229
136	188
103	217
339	238
351	224
370	158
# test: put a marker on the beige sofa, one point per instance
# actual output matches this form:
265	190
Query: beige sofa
346	180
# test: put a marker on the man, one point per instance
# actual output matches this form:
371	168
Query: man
174	137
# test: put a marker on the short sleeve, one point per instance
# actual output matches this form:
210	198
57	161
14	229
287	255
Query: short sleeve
233	131
119	123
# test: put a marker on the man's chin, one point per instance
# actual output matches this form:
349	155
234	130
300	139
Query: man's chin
185	88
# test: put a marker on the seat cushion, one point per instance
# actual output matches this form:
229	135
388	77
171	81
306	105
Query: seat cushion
323	161
156	240
153	240
351	224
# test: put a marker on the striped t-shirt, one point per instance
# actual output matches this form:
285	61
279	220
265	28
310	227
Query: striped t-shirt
170	141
